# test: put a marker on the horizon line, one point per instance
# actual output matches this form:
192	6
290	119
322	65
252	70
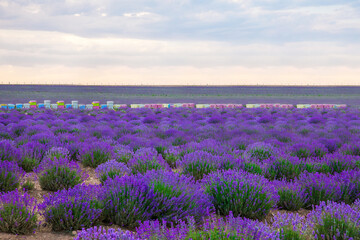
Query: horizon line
193	85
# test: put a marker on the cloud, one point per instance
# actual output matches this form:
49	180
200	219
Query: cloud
30	48
237	35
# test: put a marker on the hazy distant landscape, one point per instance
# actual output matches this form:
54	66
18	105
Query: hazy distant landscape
144	94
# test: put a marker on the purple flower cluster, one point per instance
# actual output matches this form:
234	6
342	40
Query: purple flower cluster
158	194
100	233
56	174
229	227
146	159
95	153
331	220
17	213
72	209
10	176
244	194
110	169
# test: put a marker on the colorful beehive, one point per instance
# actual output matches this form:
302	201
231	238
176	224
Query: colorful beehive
75	104
68	106
229	105
41	105
134	105
206	105
11	106
82	106
32	104
249	105
166	105
54	106
103	106
178	105
96	104
110	104
19	106
300	106
47	104
339	106
199	106
89	106
26	105
60	104
3	106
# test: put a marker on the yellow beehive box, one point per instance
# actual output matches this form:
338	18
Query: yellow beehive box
200	106
300	106
249	105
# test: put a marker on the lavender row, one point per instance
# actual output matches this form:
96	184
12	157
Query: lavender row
181	166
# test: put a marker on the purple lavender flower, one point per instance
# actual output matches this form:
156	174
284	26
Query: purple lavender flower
146	159
58	152
260	151
320	187
72	209
10	176
17	213
213	228
123	153
55	174
244	194
100	233
199	163
333	220
290	225
110	169
8	151
95	153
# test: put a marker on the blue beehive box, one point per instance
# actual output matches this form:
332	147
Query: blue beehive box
67	106
41	105
19	106
82	106
103	106
11	106
3	106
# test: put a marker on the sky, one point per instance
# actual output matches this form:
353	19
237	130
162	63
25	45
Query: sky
180	42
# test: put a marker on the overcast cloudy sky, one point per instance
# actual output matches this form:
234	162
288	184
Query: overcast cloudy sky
180	42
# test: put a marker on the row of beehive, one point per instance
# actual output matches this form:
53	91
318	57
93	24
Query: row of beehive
110	105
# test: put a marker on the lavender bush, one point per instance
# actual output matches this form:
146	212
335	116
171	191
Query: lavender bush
56	174
10	176
72	209
332	220
110	169
17	213
96	153
146	159
243	194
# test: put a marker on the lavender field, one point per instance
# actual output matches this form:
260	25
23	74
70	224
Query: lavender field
233	94
180	174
